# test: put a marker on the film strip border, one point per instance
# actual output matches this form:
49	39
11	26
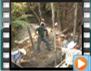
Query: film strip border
6	34
87	29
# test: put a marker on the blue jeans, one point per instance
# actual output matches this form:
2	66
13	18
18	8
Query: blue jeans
17	57
45	40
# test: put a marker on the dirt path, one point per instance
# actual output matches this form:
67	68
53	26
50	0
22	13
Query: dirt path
44	58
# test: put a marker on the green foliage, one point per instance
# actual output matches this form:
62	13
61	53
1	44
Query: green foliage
18	9
30	12
19	24
19	19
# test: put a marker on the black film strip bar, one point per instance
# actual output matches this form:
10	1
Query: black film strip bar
86	34
6	34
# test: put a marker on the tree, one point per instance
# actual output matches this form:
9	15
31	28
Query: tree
20	19
39	8
75	20
53	22
58	16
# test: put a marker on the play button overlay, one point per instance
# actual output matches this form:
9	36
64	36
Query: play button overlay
82	63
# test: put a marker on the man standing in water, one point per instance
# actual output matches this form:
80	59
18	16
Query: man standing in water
42	36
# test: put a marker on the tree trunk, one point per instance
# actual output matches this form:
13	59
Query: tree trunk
39	8
28	28
58	17
75	20
37	17
53	21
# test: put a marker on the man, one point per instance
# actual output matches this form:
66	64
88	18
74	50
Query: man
42	36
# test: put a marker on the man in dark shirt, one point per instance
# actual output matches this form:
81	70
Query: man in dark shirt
42	36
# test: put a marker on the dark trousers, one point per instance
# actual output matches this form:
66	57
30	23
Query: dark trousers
45	40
